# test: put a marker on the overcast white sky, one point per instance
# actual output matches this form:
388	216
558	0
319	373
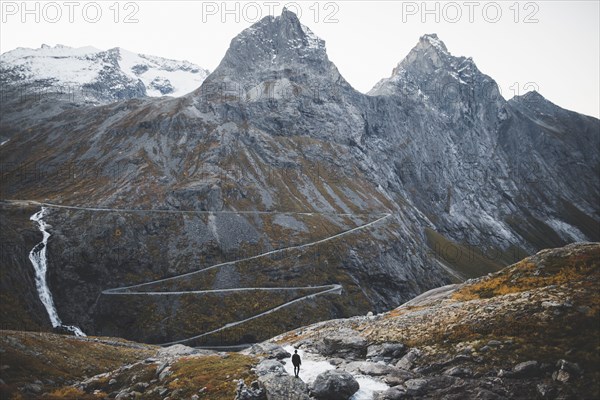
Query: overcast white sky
551	45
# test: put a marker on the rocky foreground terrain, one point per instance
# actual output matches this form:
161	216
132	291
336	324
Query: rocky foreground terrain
529	331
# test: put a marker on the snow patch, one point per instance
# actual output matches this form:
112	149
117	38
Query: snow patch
184	76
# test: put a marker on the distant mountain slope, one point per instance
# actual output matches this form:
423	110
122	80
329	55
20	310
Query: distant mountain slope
483	166
103	75
36	84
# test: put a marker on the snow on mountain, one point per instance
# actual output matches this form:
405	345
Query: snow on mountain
162	76
63	64
116	72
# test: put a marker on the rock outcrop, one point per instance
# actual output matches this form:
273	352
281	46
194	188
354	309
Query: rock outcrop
334	385
528	331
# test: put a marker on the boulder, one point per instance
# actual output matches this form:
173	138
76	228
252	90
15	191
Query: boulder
254	392
484	394
545	391
270	367
570	367
393	393
33	388
387	352
415	387
409	359
459	372
390	374
123	394
398	376
526	369
165	373
566	371
178	350
440	383
141	386
347	345
505	374
160	368
336	361
270	350
334	385
369	368
283	387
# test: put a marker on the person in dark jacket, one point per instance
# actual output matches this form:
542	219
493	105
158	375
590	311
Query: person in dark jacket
296	361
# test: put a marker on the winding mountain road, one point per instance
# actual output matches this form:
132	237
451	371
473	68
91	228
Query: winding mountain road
142	210
134	290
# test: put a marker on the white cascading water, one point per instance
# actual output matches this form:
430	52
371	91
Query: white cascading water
37	256
314	364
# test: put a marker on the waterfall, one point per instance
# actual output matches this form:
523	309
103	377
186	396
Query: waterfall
38	258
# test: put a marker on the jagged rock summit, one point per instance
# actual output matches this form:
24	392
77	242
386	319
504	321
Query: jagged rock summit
274	41
273	56
453	85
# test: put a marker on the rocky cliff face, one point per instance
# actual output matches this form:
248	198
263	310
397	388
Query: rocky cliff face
387	194
466	148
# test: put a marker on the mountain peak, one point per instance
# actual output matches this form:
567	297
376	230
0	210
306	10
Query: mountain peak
453	83
277	33
431	40
287	14
533	95
432	51
272	49
428	55
533	100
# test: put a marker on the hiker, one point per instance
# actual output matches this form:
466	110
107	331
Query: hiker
296	361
